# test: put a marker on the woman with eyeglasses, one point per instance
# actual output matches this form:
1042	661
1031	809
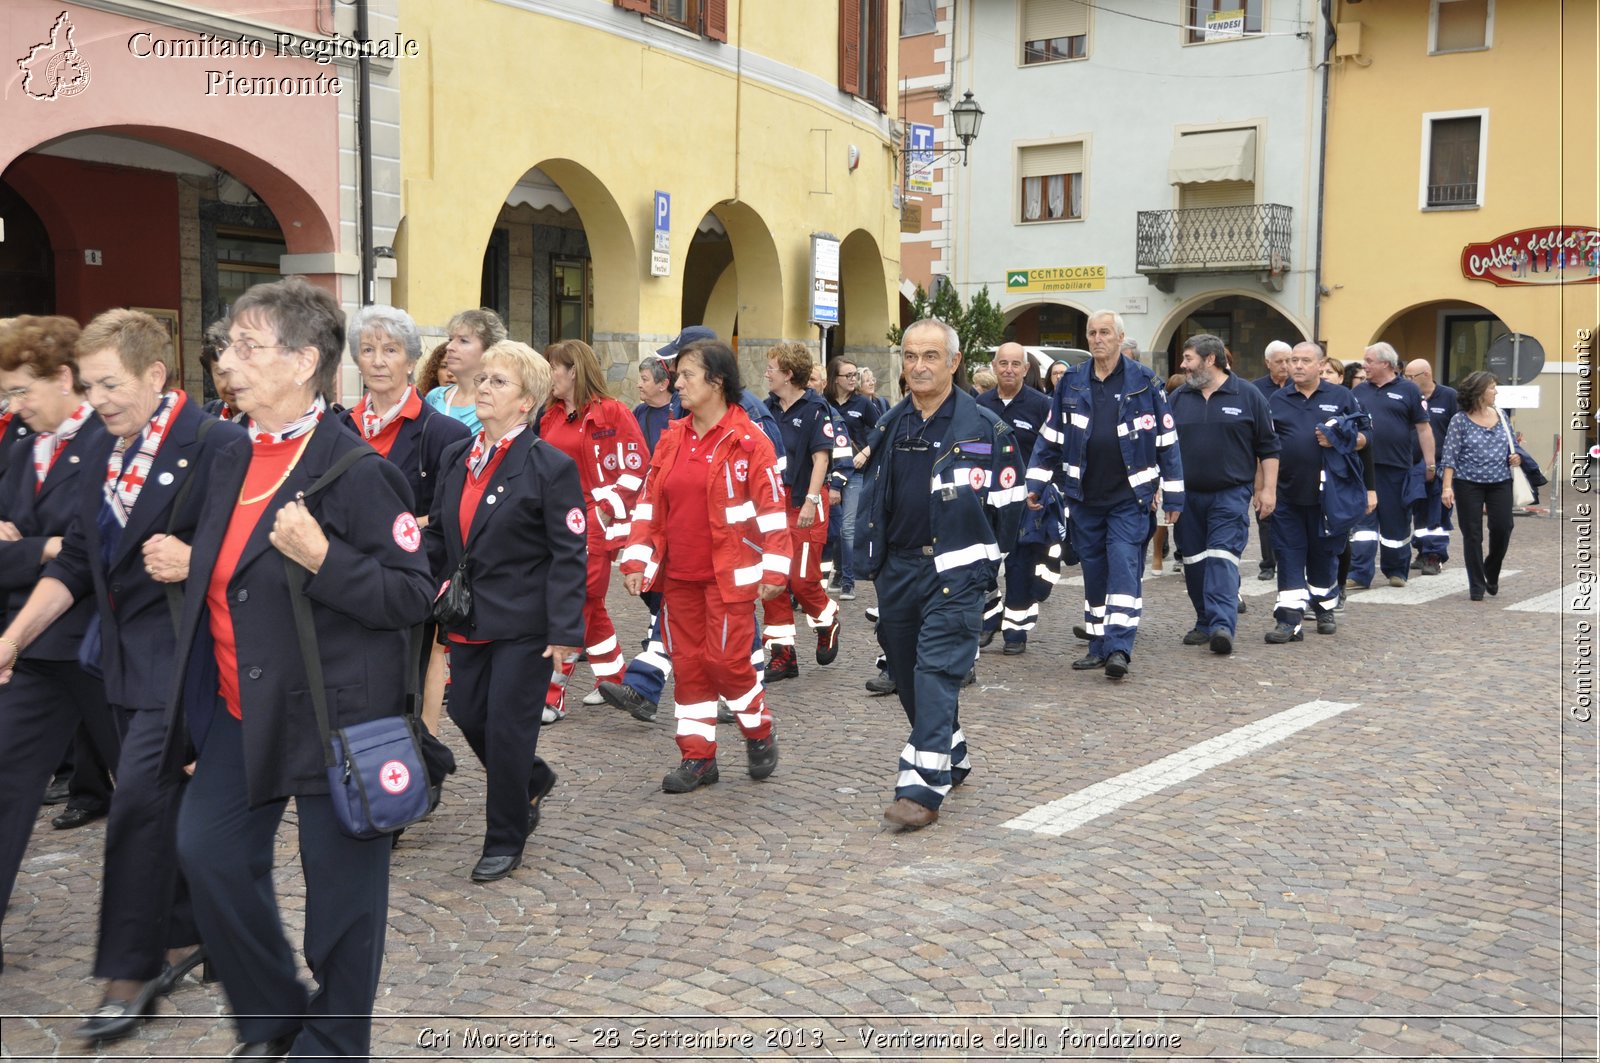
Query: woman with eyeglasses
472	332
858	415
509	519
601	435
48	694
158	442
242	700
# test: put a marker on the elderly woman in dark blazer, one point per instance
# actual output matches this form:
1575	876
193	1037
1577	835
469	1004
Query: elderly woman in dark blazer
242	702
49	694
509	518
138	493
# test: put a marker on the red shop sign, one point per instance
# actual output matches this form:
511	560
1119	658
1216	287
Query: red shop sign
1554	254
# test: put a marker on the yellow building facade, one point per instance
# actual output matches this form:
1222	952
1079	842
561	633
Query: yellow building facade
537	135
1462	202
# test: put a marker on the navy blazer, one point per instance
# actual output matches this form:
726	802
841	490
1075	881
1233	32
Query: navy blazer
371	589
16	432
528	544
419	448
136	622
39	515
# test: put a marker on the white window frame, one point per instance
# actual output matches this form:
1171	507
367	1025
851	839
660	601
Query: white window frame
1433	31
1022	45
1086	143
1426	153
1183	27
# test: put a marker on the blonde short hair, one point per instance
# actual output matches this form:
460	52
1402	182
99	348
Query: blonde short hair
528	368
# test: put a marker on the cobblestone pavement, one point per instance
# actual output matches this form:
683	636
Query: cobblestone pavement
1412	874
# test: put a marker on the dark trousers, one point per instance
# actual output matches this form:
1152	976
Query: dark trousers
89	786
1210	536
1432	519
1392	544
1473	500
39	710
1015	613
1110	542
497	699
144	903
1307	563
928	625
225	847
1269	559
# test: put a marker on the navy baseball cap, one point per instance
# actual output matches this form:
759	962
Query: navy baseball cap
692	334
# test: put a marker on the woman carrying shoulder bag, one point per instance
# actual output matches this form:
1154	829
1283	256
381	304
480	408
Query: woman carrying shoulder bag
1479	463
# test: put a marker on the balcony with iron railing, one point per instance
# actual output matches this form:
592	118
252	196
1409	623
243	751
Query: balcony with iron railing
1213	240
1458	195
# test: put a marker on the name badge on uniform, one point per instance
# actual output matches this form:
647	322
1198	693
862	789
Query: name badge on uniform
164	479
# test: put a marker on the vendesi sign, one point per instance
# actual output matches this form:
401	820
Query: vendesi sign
1553	254
1056	279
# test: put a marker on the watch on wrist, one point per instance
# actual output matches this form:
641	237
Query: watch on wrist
815	500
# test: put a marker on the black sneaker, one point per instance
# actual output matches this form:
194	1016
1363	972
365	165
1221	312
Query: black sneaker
783	664
1266	574
1197	636
1222	642
1088	662
1430	564
762	754
1285	633
629	700
1326	624
985	638
1117	665
827	644
882	683
1014	649
690	774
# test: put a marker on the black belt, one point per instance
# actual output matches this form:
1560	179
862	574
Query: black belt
912	551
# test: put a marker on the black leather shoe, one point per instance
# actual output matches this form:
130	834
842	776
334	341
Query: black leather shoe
1244	607
1266	574
536	801
59	790
276	1048
1197	636
629	700
1326	624
1430	565
1088	662
1117	665
882	683
1492	586
1222	642
762	754
174	974
494	868
116	1019
690	775
985	638
76	817
724	711
1080	632
1285	633
1015	649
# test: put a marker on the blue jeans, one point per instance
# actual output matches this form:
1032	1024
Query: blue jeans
842	529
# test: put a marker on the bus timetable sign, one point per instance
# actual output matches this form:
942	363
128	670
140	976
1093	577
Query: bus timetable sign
1551	254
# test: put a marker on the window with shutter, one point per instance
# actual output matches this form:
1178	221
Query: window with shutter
1052	182
850	46
1453	153
1460	25
1222	20
641	6
1053	30
864	50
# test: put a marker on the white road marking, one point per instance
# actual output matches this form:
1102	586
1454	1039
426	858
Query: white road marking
1564	600
1420	589
1092	802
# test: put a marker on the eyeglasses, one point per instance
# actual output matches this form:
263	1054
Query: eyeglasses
498	383
246	349
849	376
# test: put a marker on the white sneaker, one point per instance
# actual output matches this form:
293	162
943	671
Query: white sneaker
594	698
553	714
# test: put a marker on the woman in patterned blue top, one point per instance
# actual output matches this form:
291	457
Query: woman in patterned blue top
1477	465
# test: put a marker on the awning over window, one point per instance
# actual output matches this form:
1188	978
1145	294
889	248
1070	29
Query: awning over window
1221	155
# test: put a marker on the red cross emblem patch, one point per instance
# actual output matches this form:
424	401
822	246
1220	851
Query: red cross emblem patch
633	460
407	535
576	522
741	470
976	476
394	777
1008	476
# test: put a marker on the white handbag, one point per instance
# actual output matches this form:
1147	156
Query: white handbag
1521	489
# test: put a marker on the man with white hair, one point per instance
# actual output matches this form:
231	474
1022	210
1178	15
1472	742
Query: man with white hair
1431	515
942	488
1276	357
1109	443
1401	435
1130	348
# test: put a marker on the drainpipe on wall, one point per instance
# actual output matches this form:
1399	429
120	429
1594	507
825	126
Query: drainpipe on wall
1328	37
369	293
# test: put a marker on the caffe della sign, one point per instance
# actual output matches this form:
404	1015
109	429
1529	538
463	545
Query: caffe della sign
1554	254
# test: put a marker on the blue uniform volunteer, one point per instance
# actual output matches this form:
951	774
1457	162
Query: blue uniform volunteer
1030	567
1221	438
942	500
1108	444
1430	515
1308	560
1396	408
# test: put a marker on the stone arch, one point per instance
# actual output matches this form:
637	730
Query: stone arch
757	272
863	296
1245	344
1451	334
1032	319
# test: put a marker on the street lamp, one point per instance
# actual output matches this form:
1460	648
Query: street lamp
966	116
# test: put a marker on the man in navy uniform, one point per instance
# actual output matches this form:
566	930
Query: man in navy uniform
1108	443
943	492
1431	515
1028	565
1401	435
1276	357
1231	456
